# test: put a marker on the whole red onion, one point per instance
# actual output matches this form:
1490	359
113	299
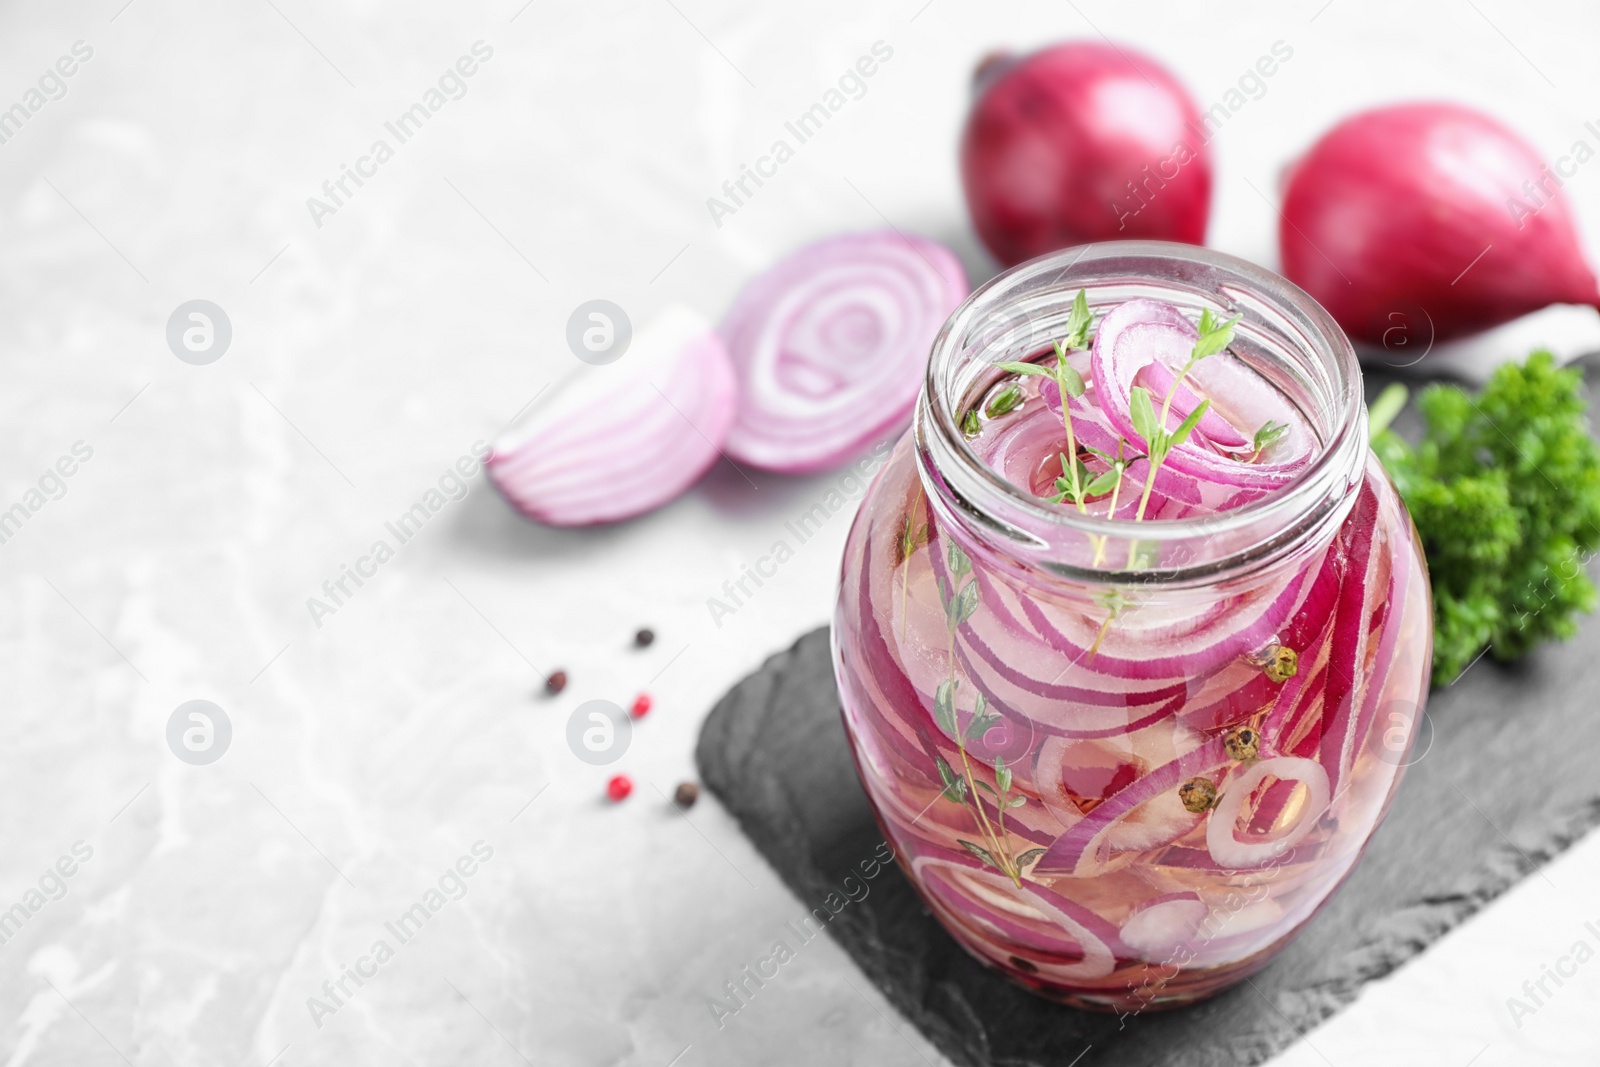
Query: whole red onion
1421	222
1083	142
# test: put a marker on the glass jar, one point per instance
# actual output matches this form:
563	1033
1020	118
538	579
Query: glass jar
1124	763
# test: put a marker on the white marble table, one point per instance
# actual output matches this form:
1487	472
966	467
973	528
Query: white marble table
397	751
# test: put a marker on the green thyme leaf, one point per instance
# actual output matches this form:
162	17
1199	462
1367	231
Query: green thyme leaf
1144	554
982	719
987	788
1029	857
1064	490
1029	369
1070	381
980	725
970	424
1079	320
981	853
1002	775
1214	337
911	540
1113	600
1186	427
959	563
967	600
955	788
1104	482
944	706
1016	801
1143	414
1272	432
1007	401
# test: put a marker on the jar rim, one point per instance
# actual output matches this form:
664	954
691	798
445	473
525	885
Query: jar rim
1241	535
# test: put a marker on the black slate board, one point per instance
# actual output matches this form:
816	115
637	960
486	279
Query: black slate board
1519	741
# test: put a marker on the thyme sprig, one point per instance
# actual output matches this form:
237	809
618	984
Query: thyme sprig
960	601
912	536
1214	337
1069	381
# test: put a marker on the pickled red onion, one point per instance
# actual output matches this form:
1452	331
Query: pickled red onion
1137	333
1031	917
1221	836
1079	849
1162	925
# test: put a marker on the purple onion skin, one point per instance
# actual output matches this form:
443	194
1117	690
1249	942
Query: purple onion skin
888	670
1078	143
1412	223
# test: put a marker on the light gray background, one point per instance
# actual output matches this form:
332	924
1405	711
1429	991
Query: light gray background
371	352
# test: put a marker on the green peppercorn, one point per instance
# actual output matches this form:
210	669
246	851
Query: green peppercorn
1242	744
1283	664
1198	794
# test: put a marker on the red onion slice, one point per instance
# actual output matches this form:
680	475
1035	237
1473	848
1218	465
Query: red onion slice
625	438
1137	333
1079	851
1030	917
1158	379
1223	841
1346	680
1162	925
1091	427
830	343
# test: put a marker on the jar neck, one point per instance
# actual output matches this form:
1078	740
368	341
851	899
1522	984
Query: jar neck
1282	334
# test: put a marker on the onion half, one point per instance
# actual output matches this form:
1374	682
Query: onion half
625	438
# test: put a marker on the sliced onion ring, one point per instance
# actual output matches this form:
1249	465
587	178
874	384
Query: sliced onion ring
626	438
1137	333
1160	379
1223	841
829	346
1162	925
1031	917
1080	851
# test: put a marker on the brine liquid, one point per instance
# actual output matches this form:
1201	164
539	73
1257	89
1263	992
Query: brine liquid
1004	751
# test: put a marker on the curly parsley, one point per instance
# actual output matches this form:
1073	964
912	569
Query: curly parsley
1505	490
